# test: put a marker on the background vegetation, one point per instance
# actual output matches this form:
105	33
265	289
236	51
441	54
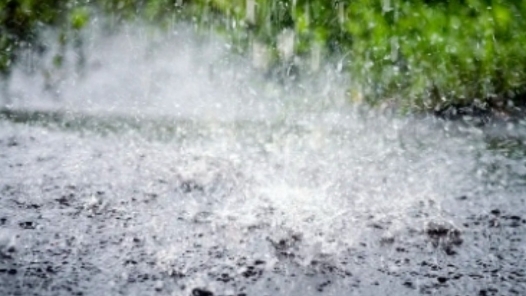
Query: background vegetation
421	54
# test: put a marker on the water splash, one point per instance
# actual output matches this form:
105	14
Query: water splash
183	155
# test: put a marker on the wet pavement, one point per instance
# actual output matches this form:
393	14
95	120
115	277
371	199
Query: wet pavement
361	207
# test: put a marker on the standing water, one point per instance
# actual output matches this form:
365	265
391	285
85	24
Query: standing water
171	167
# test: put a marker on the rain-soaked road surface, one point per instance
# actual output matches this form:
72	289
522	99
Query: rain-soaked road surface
342	203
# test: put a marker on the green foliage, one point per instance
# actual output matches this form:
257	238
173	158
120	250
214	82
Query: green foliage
424	54
21	20
421	53
79	18
439	52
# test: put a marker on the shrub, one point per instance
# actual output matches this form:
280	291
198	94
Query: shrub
423	54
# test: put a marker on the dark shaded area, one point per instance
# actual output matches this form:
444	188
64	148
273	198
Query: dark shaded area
493	111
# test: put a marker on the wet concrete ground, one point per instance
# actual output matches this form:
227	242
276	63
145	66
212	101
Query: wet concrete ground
91	215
